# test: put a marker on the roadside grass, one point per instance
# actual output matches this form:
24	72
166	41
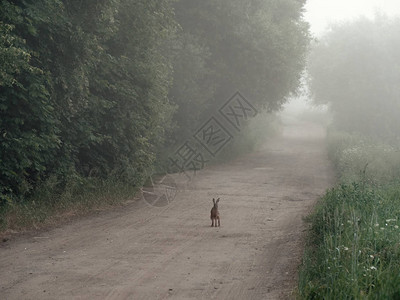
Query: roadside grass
353	247
356	157
46	207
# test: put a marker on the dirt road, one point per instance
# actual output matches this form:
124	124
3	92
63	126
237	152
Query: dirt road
143	252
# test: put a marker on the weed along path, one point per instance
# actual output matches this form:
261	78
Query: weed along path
144	252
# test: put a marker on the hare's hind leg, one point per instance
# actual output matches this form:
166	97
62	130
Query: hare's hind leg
212	222
219	222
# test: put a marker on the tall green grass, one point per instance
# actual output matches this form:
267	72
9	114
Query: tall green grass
353	249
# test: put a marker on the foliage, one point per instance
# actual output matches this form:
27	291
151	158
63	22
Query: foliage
252	137
83	91
353	250
256	47
28	133
355	69
356	156
90	90
356	236
45	208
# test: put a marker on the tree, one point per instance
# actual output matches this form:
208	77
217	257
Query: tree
355	69
91	88
257	47
29	136
129	88
83	90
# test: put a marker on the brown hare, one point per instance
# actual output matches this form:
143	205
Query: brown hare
215	214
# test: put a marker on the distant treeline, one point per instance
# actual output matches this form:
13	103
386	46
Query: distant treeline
355	69
99	88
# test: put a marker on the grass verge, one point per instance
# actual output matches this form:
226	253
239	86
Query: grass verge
353	248
47	208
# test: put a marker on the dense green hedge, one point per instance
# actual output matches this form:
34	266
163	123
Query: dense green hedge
83	90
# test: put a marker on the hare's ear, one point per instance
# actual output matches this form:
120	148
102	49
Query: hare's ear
217	200
214	200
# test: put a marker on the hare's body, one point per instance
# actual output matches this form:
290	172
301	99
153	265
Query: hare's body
215	214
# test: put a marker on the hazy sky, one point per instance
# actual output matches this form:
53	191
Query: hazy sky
322	12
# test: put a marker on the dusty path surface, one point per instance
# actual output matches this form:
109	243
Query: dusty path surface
143	252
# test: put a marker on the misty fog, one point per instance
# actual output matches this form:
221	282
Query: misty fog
286	110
